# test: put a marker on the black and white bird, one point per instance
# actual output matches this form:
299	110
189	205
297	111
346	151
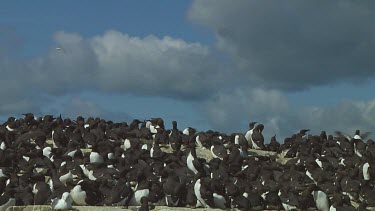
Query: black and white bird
257	138
63	203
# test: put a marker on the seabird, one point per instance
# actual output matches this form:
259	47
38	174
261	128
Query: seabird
338	203
96	158
273	145
172	189
60	49
218	150
63	203
175	139
141	190
121	193
288	198
86	192
257	138
250	131
320	198
192	161
42	192
203	194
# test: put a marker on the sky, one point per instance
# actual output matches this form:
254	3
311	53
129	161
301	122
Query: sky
208	64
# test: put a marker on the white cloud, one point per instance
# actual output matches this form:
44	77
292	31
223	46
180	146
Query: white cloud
60	71
345	116
113	62
153	66
117	62
232	111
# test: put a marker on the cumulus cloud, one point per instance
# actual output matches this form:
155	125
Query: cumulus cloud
153	66
112	62
295	45
117	62
61	71
232	111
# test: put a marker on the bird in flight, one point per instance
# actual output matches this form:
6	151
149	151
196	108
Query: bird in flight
60	49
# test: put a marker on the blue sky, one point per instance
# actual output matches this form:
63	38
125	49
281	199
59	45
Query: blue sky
207	64
35	22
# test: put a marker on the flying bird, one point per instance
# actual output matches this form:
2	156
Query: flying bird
60	49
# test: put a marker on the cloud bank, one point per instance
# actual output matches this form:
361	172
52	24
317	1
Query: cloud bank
296	45
231	112
117	62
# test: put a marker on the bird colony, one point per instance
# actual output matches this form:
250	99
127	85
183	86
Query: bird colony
94	162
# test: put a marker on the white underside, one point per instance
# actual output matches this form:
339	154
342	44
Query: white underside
9	129
288	207
3	146
212	152
198	142
190	165
248	135
66	177
64	203
319	163
96	158
88	173
111	156
26	158
332	208
47	152
264	195
144	146
219	201
127	144
35	191
310	176
2	174
357	137
365	171
186	131
78	195
136	200
342	161
200	201
321	200
356	151
153	129
71	154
